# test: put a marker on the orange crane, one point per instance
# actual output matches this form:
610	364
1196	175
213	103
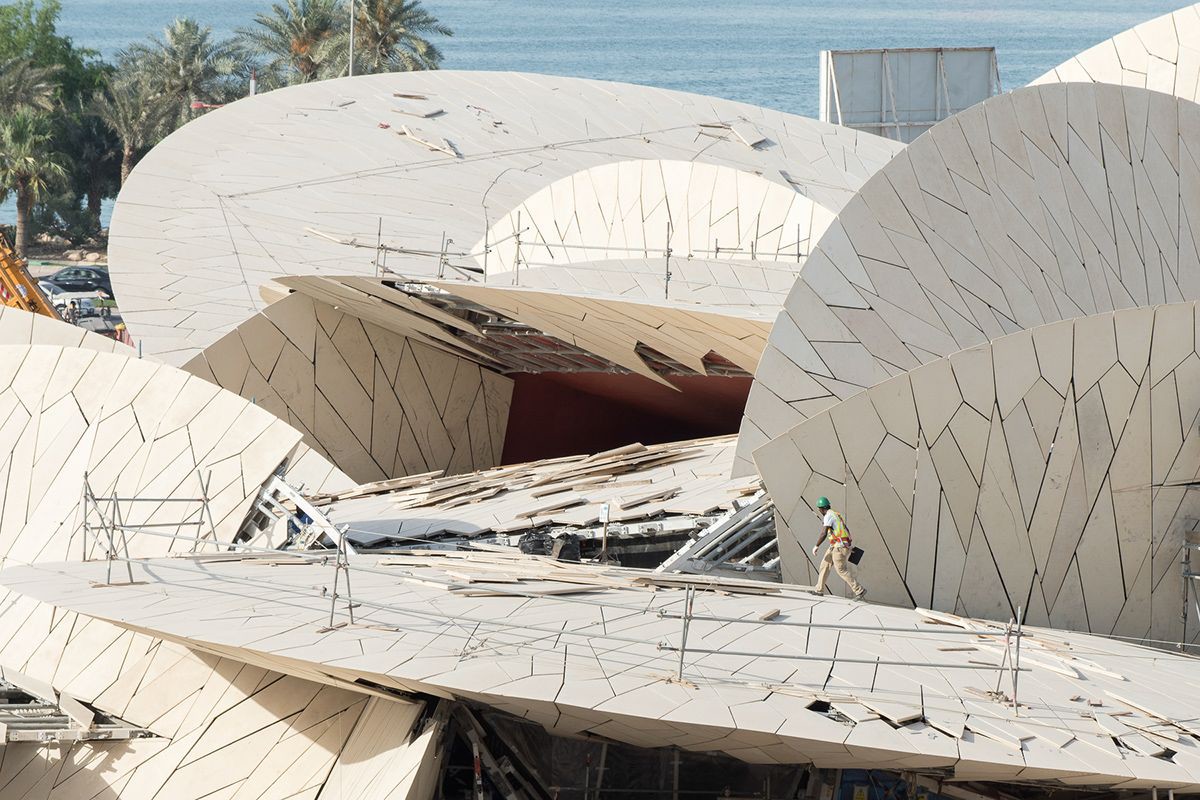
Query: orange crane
17	288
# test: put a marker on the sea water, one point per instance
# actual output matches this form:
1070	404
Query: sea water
759	51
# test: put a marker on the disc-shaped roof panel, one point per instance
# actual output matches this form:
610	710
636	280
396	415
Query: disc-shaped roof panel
1160	54
1047	203
766	673
410	172
1052	469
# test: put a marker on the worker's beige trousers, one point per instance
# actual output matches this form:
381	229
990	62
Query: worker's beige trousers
838	559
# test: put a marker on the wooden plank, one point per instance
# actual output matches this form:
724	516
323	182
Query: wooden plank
481	590
1141	702
555	505
639	498
636	447
724	584
433	142
419	112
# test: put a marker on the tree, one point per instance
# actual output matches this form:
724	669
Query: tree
28	35
94	149
136	114
307	40
290	39
44	83
23	84
29	165
389	36
185	66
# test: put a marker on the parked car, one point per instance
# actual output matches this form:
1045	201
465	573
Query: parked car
49	289
82	279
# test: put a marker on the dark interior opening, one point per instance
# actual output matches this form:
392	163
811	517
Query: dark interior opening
563	414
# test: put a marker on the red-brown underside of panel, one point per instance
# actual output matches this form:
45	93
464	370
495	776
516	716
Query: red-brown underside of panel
559	414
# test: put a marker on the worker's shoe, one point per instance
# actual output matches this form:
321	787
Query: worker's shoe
861	596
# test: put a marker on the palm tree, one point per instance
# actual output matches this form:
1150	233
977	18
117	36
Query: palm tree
23	84
136	114
186	66
28	165
389	36
93	152
291	39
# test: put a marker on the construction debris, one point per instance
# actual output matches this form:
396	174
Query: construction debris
432	141
645	501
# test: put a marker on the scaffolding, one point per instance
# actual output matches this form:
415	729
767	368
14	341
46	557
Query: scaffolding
109	519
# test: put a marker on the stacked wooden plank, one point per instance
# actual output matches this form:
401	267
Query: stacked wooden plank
505	571
637	483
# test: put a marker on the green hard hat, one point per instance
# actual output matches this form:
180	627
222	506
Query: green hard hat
822	502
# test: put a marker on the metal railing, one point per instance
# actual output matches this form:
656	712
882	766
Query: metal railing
352	601
114	533
1010	663
444	256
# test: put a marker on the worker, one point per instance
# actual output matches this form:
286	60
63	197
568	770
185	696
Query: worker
833	526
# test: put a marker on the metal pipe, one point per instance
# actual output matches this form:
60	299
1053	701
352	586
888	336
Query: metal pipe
1017	662
124	541
344	564
142	525
1004	658
337	571
760	551
667	267
840	659
152	499
830	626
687	619
205	485
517	259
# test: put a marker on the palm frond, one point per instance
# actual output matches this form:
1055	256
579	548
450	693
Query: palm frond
24	84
